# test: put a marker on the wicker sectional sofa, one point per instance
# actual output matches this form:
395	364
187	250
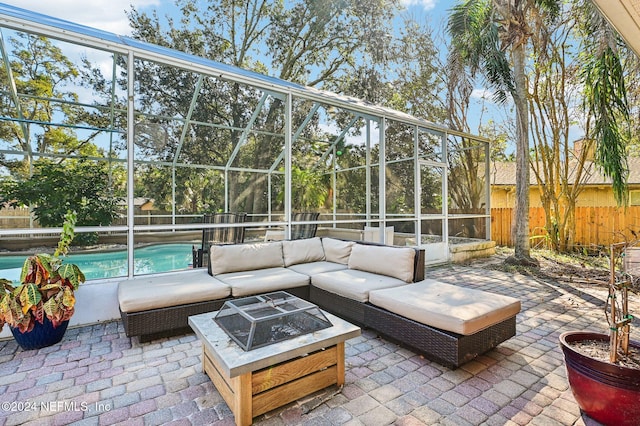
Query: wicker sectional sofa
342	277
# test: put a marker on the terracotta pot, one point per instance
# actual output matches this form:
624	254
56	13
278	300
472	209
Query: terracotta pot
607	393
41	336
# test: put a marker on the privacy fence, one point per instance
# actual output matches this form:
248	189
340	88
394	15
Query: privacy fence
595	226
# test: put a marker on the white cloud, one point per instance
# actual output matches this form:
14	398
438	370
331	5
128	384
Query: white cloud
425	4
483	93
108	15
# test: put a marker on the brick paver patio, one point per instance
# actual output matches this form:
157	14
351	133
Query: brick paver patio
98	376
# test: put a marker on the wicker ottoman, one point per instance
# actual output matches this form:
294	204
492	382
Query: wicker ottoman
448	324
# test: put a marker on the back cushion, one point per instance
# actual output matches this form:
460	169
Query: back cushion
394	262
337	251
245	257
302	251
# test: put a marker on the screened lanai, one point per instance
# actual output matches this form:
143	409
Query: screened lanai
147	140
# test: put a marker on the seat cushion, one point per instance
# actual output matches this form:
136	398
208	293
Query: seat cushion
245	257
448	307
302	251
396	262
161	291
353	284
246	283
337	251
314	268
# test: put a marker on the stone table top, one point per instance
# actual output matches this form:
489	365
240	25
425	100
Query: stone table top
236	361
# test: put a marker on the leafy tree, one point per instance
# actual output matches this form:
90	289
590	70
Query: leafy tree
309	42
560	169
40	72
418	86
55	188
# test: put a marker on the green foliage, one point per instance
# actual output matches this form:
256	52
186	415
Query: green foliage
309	189
55	188
499	141
606	100
66	237
475	28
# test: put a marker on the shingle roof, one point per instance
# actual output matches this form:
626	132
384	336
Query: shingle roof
504	173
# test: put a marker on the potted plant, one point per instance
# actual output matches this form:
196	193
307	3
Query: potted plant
604	370
38	309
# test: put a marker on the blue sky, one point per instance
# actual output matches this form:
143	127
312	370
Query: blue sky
110	15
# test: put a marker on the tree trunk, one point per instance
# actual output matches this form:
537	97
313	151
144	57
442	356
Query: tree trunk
520	229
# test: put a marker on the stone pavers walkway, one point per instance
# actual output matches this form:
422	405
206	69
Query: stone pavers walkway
98	376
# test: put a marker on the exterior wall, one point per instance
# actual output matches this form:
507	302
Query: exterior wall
593	196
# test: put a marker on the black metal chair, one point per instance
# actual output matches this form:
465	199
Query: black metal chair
304	230
221	235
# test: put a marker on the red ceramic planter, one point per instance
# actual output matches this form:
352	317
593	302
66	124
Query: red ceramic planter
607	393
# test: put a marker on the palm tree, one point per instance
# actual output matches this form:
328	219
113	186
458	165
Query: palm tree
491	37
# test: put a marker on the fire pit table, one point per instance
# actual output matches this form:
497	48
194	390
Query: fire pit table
279	370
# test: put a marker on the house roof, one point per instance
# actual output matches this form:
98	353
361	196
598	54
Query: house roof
503	173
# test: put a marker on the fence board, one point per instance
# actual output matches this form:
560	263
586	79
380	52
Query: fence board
595	226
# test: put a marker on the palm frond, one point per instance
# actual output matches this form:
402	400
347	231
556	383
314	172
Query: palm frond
606	100
475	38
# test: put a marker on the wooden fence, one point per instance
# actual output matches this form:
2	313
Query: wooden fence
11	217
595	226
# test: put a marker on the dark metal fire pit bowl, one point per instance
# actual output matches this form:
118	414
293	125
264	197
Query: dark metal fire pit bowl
257	321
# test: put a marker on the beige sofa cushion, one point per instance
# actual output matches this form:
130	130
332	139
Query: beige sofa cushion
448	307
302	251
314	268
245	257
246	283
173	289
337	251
396	262
353	284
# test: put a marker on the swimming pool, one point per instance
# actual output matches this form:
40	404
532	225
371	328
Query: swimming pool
111	264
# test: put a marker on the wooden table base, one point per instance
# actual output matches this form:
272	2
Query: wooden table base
258	392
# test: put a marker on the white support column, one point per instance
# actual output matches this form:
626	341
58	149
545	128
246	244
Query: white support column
487	188
287	164
445	190
417	205
130	163
382	182
368	174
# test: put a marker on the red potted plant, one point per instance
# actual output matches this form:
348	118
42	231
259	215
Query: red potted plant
604	370
38	309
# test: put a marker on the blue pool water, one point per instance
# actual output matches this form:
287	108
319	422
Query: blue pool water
147	260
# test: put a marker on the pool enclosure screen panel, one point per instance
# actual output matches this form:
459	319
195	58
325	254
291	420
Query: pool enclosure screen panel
169	137
467	180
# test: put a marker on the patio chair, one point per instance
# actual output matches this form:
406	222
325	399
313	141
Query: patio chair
306	230
223	235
